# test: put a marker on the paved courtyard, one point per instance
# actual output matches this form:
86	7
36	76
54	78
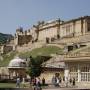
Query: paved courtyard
45	89
67	88
78	86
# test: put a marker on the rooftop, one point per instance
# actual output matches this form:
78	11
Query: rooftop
17	62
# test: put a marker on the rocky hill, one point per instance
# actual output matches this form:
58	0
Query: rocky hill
5	37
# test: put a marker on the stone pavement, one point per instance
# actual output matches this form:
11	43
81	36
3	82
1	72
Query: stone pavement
78	86
51	87
81	87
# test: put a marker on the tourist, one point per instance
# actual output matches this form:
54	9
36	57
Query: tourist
70	81
66	81
60	79
73	81
43	81
57	82
18	82
23	82
34	81
38	84
53	80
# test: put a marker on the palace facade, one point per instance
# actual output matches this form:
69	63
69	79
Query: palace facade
77	66
52	30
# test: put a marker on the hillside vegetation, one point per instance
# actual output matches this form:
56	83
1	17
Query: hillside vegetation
7	58
4	38
44	51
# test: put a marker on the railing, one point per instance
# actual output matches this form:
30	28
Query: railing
84	54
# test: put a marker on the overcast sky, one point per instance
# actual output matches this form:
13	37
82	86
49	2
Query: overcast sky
25	13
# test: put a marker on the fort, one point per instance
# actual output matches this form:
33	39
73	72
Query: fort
52	30
69	35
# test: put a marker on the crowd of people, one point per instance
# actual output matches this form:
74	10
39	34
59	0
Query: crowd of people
36	82
58	81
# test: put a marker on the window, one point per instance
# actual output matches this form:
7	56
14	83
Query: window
85	72
73	69
73	72
68	29
85	69
74	75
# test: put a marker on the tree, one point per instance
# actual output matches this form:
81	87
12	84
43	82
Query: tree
35	65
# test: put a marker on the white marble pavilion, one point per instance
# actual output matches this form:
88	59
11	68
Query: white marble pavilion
77	67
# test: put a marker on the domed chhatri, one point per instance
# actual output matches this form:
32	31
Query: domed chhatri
17	63
17	67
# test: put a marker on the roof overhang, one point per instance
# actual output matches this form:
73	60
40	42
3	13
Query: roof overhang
76	59
16	67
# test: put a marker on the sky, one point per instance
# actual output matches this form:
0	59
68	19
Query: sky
26	13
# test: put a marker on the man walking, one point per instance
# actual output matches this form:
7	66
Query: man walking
18	82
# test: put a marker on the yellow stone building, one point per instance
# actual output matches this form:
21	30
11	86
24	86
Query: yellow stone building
52	30
75	30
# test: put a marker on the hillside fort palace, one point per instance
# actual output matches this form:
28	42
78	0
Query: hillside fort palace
52	30
48	32
75	31
69	34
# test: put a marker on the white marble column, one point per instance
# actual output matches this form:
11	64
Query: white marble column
79	74
66	73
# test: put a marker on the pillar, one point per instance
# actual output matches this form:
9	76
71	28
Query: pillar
66	73
86	26
81	26
79	74
58	29
73	28
11	74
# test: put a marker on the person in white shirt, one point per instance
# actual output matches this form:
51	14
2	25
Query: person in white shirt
23	82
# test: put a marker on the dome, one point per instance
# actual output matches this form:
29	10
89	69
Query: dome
17	62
